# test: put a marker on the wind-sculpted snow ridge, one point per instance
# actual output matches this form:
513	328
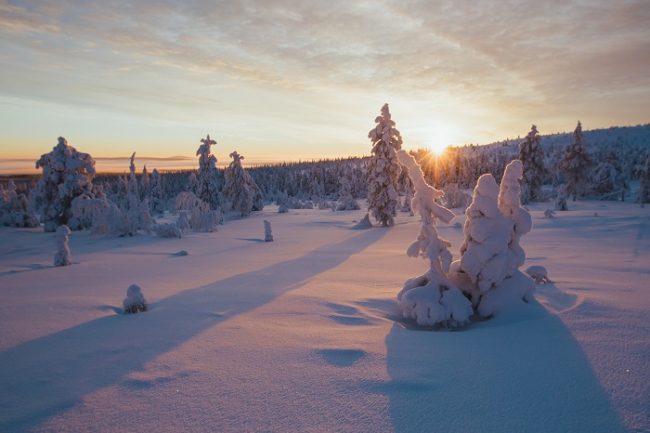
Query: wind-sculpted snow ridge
431	299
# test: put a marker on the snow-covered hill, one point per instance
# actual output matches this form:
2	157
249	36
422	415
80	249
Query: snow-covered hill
302	334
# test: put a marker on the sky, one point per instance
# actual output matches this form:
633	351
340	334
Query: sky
296	80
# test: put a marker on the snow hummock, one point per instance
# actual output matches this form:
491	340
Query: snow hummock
134	301
62	239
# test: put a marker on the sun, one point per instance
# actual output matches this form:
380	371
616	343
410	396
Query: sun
440	137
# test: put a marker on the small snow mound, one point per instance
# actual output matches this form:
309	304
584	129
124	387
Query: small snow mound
180	253
549	214
539	274
363	224
268	234
134	301
430	306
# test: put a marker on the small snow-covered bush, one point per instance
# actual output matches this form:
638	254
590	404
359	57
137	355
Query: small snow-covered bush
560	198
363	224
539	274
134	301
61	238
15	210
283	208
201	217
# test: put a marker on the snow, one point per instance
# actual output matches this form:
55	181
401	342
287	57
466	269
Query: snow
303	334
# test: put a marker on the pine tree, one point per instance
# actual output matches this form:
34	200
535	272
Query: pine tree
207	188
67	174
644	190
532	156
575	163
384	169
240	190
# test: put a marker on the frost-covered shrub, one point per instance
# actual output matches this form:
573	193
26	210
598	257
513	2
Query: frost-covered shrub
207	181
431	299
183	223
455	197
66	175
240	190
384	169
532	157
86	211
134	301
549	214
167	230
62	238
346	201
283	208
268	234
15	210
199	215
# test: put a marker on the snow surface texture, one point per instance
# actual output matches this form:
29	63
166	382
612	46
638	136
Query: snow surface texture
384	169
301	335
431	299
268	234
134	301
61	238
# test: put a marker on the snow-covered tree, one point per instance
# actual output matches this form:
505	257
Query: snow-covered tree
201	217
560	198
484	251
346	201
145	183
207	188
134	301
644	187
491	254
15	209
240	190
156	194
511	209
575	163
268	233
61	238
384	169
532	157
431	299
66	175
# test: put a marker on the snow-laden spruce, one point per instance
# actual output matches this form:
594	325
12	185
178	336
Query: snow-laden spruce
431	299
156	194
62	239
207	180
134	301
346	201
511	209
240	190
268	233
67	174
575	163
644	187
384	169
532	157
491	254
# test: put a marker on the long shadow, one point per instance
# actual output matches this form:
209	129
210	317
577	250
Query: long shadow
522	373
42	377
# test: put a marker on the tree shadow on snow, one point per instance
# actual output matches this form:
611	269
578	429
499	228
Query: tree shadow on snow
518	372
44	377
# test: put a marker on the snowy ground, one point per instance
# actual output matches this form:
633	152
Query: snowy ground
301	335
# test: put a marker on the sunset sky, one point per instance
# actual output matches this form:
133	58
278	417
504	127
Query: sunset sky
299	80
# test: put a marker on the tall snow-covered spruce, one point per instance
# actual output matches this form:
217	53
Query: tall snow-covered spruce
384	169
240	190
532	156
67	174
207	180
575	163
431	299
